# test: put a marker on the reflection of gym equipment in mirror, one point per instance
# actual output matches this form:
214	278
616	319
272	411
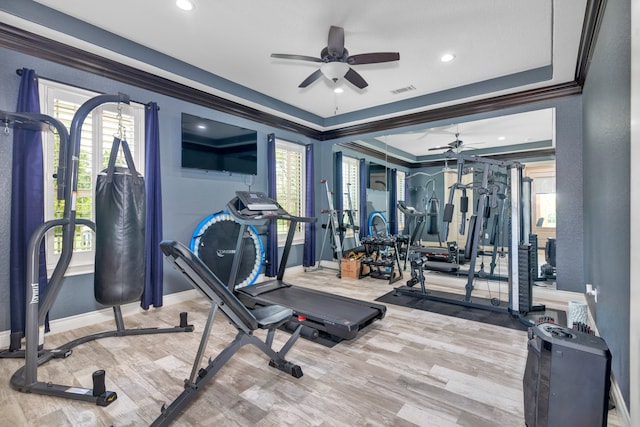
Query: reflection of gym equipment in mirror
415	222
548	270
382	257
377	224
381	250
333	230
110	291
489	195
351	215
543	209
377	177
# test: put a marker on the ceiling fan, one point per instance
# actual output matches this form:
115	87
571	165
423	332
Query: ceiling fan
452	147
336	61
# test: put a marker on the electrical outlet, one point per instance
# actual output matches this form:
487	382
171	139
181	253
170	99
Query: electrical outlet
590	290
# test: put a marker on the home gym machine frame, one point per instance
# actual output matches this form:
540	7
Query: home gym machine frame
520	299
25	379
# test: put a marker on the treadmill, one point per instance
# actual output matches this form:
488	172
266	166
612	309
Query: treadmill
321	313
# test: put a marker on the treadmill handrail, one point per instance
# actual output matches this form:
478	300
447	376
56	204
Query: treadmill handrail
410	210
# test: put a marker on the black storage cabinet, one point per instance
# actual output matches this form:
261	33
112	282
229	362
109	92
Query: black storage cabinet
566	379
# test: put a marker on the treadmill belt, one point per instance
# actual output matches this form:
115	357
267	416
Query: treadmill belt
339	317
320	305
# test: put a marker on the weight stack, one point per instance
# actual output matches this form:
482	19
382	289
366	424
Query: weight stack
533	241
566	379
525	279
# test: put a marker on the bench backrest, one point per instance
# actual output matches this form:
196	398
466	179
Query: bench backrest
209	284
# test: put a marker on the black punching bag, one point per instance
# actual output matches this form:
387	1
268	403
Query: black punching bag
433	210
120	223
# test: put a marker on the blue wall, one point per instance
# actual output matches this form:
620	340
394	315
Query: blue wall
606	100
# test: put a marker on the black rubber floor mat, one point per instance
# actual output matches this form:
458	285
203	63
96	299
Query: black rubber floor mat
496	318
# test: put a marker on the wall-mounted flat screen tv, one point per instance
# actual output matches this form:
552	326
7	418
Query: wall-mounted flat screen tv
377	177
215	146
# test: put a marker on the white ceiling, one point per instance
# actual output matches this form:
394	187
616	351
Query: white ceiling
493	40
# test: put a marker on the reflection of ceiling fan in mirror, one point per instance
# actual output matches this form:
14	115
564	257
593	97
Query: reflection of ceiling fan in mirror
452	147
336	61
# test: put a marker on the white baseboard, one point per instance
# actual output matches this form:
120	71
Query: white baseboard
333	265
615	393
621	407
91	318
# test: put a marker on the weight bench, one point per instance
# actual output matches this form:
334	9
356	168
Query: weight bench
246	322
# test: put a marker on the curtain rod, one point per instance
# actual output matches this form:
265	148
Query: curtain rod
19	72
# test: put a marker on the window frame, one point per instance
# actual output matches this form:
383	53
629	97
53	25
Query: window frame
82	262
287	146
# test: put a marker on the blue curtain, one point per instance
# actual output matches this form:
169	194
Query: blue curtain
309	251
393	201
406	189
338	205
153	281
271	269
364	218
27	200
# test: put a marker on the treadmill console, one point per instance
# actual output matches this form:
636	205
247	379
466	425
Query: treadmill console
254	207
256	201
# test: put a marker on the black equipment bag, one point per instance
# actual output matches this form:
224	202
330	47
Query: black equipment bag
120	225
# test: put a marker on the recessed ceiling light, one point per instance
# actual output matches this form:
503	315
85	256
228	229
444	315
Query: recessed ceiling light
447	57
501	138
338	90
184	4
202	127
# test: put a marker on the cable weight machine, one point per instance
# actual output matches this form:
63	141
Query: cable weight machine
519	273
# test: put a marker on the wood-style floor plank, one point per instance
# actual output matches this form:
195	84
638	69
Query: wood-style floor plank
412	368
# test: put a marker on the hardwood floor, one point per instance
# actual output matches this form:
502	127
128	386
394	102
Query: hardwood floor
410	368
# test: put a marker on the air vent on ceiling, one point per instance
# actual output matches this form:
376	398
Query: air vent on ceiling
403	89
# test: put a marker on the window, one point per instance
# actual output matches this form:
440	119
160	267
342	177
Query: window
543	199
546	209
350	191
61	102
290	186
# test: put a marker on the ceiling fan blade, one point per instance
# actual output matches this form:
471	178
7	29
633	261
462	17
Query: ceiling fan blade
312	78
373	58
445	147
335	44
356	79
298	57
456	144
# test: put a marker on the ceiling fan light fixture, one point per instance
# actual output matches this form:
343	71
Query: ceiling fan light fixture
334	71
447	57
338	90
185	4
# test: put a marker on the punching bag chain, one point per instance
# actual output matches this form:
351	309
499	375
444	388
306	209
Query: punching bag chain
122	130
